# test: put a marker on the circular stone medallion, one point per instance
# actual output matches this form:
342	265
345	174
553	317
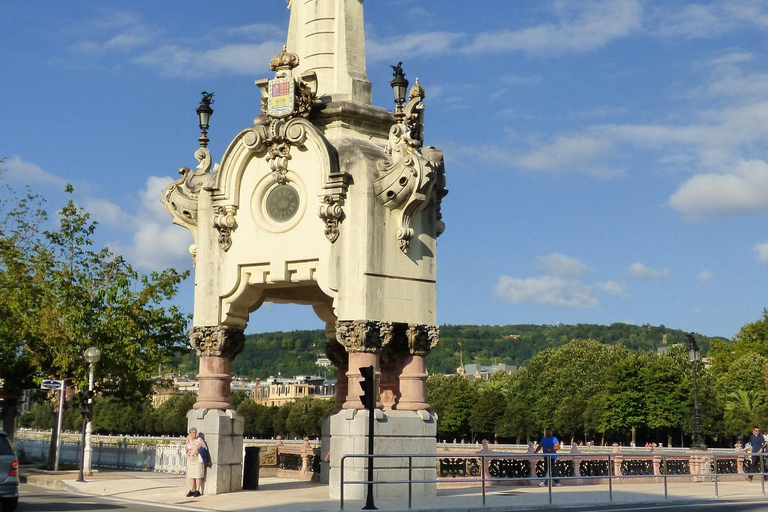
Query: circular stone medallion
282	203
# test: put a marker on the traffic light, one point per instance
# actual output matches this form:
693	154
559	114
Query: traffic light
369	387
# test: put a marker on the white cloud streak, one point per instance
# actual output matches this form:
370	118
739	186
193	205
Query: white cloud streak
743	190
581	26
546	291
642	272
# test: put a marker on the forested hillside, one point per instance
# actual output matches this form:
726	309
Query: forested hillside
295	353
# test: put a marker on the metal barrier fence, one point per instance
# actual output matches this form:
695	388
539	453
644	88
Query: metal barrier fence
610	467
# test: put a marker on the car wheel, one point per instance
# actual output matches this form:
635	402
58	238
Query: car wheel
9	505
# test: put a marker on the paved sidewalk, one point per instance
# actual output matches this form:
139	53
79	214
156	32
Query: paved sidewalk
285	495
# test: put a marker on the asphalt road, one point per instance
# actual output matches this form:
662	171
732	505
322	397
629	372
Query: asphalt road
38	499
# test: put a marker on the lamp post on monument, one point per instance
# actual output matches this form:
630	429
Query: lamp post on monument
92	356
204	113
697	440
399	89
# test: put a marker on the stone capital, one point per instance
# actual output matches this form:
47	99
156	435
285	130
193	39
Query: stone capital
217	341
363	335
422	338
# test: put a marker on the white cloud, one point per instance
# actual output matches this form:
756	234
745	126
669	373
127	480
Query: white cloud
107	213
156	242
706	276
520	79
699	21
546	291
743	190
561	266
640	271
119	31
400	47
575	152
244	59
613	288
581	26
762	252
28	173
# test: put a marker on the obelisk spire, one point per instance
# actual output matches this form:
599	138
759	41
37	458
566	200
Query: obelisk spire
329	38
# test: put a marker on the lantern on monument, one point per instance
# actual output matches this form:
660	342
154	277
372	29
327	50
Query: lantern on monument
399	86
204	113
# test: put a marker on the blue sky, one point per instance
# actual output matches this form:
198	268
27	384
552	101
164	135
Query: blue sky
606	160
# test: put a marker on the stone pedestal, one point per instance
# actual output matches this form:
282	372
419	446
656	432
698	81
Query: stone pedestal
223	432
396	432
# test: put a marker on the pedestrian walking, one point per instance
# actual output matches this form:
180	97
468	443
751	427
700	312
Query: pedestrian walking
757	444
550	444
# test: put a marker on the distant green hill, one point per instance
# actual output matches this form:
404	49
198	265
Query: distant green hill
294	353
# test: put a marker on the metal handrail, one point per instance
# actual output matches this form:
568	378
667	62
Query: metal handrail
483	480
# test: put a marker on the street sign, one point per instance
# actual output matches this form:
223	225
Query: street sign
51	384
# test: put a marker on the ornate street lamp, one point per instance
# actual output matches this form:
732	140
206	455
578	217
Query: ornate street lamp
92	356
697	440
204	113
399	87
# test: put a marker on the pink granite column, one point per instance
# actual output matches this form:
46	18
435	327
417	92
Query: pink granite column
363	341
413	377
216	346
359	360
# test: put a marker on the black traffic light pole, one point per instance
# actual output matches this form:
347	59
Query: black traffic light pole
369	400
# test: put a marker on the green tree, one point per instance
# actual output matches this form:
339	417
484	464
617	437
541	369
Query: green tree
518	422
486	414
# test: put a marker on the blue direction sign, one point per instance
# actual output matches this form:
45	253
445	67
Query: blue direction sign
51	384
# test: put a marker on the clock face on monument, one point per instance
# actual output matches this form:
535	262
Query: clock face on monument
282	203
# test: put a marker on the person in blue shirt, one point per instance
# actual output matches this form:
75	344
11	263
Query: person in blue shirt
550	444
757	441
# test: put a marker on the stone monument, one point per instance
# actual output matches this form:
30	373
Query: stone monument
330	202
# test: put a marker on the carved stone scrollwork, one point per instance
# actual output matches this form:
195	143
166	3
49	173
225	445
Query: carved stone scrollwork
217	340
407	177
331	209
362	335
224	222
180	197
422	338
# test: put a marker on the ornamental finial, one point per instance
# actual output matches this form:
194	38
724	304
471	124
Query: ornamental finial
284	61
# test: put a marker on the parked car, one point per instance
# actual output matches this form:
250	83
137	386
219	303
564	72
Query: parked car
9	475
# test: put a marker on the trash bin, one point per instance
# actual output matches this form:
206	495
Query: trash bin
251	468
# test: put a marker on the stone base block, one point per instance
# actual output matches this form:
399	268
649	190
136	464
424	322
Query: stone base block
223	432
395	432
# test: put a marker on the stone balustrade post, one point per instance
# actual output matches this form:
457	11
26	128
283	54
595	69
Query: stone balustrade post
617	459
741	458
306	452
576	461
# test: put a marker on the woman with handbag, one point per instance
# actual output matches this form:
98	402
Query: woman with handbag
195	463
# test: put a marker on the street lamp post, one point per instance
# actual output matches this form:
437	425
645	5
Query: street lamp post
399	89
697	440
92	355
204	113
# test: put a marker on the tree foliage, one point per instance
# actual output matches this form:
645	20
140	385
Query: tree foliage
59	296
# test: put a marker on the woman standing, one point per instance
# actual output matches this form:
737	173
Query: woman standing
195	464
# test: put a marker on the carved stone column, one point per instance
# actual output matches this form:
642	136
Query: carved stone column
363	341
216	346
413	379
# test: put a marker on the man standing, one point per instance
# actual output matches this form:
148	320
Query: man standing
757	442
550	444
